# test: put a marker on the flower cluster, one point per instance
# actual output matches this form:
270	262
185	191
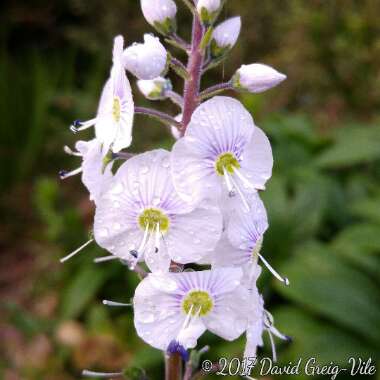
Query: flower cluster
190	221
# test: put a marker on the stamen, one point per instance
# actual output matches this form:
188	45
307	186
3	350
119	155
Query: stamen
243	179
157	238
141	249
71	152
104	259
269	324
72	254
274	353
63	174
231	191
241	194
116	304
284	280
79	126
87	373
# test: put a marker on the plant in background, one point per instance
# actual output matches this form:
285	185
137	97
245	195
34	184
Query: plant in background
189	222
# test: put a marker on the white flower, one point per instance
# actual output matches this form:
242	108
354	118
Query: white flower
222	152
257	78
114	120
173	310
95	171
140	216
160	14
154	89
225	36
146	60
208	10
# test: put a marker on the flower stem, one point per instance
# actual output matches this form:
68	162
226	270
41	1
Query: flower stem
194	68
173	367
215	90
160	116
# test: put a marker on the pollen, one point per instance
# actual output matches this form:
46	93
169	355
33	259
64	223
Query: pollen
197	301
116	109
150	217
228	162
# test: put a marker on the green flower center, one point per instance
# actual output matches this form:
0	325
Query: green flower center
151	217
228	162
197	301
116	109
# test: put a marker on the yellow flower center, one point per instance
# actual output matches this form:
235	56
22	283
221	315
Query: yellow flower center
150	217
197	301
116	109
228	162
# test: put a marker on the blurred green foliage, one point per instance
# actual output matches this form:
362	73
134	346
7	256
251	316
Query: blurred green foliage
323	200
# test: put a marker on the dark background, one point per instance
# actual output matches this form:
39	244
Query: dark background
323	200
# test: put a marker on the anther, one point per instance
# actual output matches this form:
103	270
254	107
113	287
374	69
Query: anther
231	191
63	174
134	253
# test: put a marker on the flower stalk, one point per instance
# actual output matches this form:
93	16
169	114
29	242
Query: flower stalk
160	116
194	68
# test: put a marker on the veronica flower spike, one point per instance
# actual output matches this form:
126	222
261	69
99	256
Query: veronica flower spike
173	310
141	217
222	152
114	120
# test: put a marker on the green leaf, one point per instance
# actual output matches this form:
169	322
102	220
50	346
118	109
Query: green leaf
313	338
325	284
81	290
367	208
353	146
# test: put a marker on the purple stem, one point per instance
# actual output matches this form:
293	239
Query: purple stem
194	68
161	116
214	90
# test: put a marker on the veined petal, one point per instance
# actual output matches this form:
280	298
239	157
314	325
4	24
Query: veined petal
227	33
158	318
257	161
94	176
229	317
226	255
192	236
246	229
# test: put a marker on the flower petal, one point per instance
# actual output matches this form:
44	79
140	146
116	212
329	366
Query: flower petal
194	235
257	162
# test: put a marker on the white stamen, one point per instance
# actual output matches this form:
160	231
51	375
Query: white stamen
71	152
116	304
204	350
231	191
72	254
241	194
63	174
284	280
79	126
104	259
87	373
243	179
274	353
157	238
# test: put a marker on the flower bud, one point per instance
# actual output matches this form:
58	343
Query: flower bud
224	37
146	60
208	10
256	78
154	89
160	14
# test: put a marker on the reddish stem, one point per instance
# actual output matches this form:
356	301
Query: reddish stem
173	367
194	68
